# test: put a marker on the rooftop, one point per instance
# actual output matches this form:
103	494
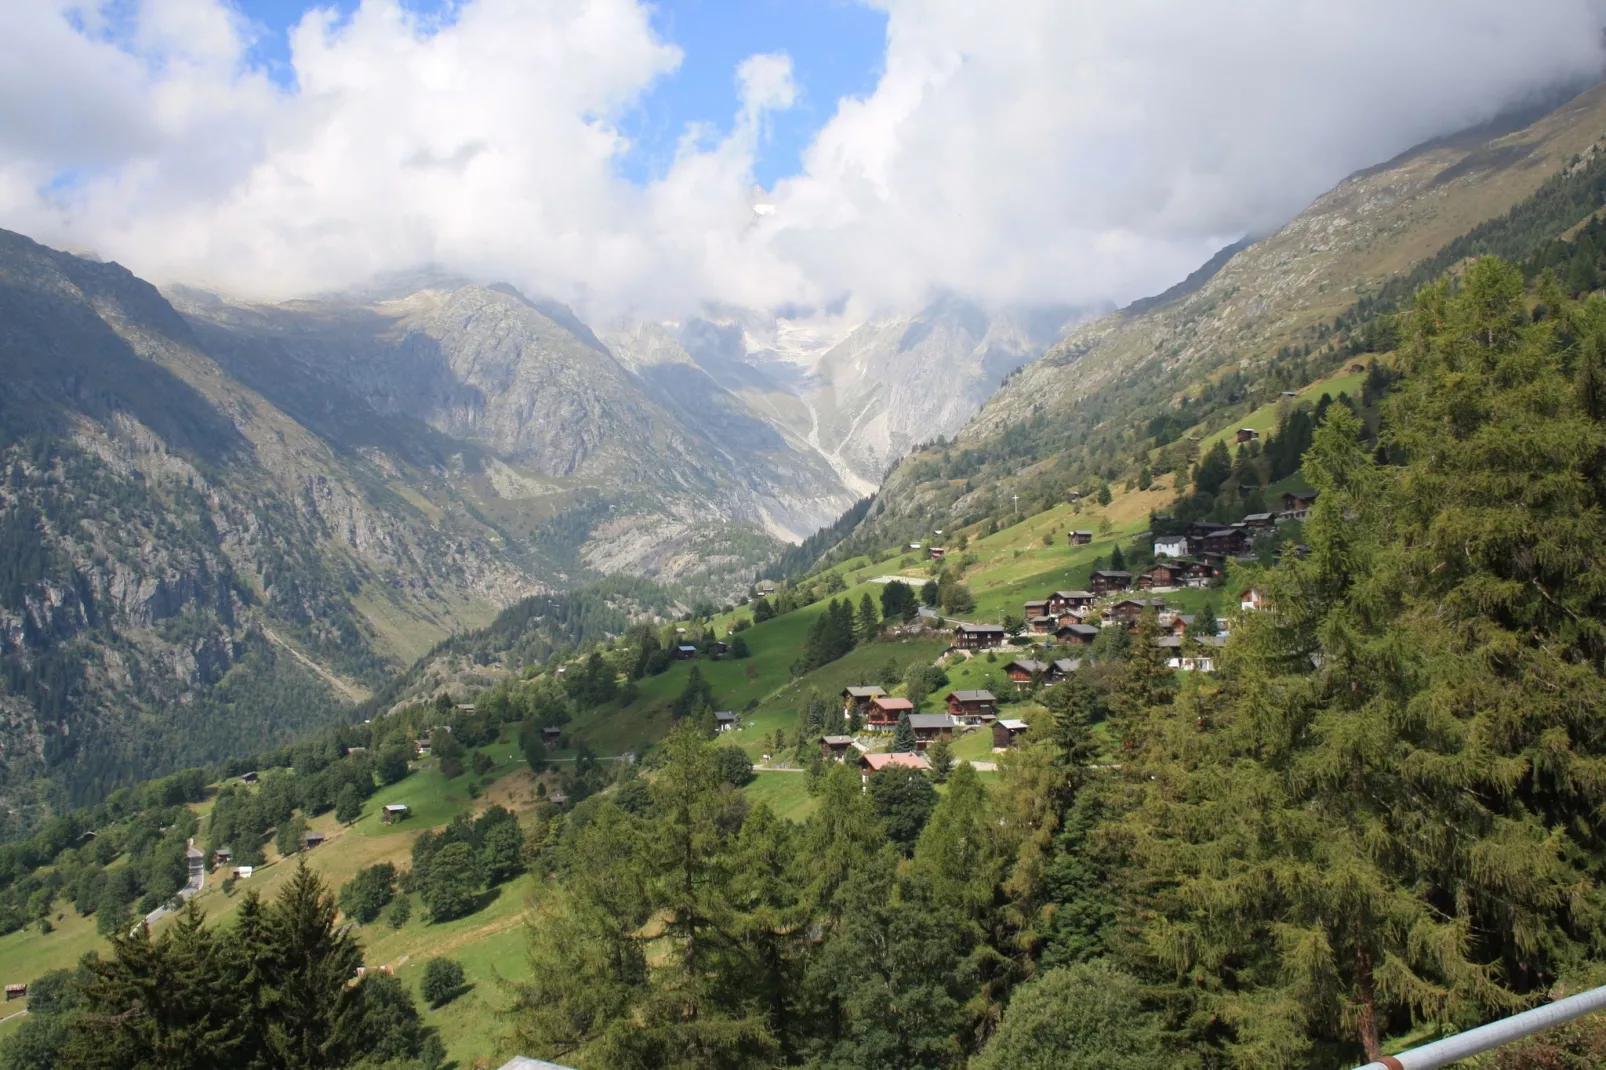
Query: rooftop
878	762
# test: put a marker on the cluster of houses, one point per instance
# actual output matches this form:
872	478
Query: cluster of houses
880	712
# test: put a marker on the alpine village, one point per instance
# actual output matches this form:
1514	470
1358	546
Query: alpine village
1229	692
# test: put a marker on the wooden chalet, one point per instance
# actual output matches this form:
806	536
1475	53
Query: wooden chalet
1005	732
1181	623
1197	532
725	721
312	839
394	812
1251	600
972	707
1022	671
1199	573
885	711
1076	634
1041	625
978	636
1245	434
685	652
1164	574
859	698
248	778
935	553
1106	580
930	727
1229	542
16	992
870	764
1297	503
222	856
1079	538
1038	607
1060	668
551	734
835	748
1357	368
1260	523
1060	601
1128	610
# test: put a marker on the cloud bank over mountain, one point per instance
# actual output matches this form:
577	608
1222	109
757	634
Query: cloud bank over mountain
1067	151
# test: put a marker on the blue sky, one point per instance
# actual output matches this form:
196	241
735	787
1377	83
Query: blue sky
837	48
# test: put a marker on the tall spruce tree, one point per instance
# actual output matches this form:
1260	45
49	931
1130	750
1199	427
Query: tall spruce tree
903	736
1144	682
868	624
1377	806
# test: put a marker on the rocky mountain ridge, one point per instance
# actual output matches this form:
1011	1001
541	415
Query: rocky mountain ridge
1077	415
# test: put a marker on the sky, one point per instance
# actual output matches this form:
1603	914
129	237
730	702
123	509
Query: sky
652	159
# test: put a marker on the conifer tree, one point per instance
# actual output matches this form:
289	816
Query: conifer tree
314	1012
159	1002
868	623
770	920
1144	682
1117	559
903	736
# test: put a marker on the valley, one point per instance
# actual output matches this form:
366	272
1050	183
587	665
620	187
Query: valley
268	569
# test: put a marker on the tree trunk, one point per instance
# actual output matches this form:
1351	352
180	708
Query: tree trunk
1366	1022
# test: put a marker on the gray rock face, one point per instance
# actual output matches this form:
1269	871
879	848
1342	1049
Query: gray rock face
863	393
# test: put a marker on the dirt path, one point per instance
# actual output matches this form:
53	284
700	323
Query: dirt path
355	694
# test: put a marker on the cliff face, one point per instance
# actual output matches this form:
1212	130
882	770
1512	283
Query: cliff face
863	393
187	570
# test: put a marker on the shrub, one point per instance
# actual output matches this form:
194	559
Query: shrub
443	981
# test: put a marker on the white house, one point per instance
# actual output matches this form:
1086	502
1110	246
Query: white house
1251	599
1171	546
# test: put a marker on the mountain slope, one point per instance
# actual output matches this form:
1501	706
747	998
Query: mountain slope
187	567
864	393
532	420
1098	404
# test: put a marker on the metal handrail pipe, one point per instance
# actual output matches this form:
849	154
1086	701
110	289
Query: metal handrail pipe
1494	1035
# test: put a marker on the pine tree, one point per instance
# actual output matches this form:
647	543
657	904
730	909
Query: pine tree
1117	559
314	1013
770	922
903	736
1145	680
162	1002
1364	806
868	624
683	1019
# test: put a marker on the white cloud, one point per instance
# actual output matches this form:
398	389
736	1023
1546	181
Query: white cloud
1064	150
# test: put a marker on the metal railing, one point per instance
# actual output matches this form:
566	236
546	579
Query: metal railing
1494	1035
